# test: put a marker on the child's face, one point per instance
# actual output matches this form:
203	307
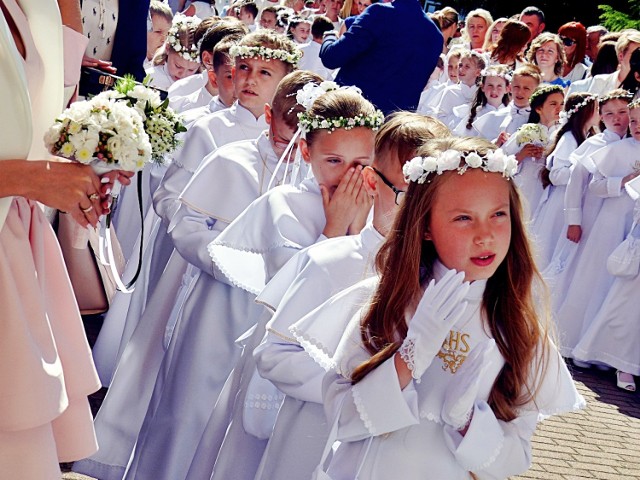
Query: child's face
470	224
494	89
468	71
179	67
268	20
158	35
452	69
255	81
634	123
615	116
547	55
301	32
331	155
280	134
550	109
521	88
224	80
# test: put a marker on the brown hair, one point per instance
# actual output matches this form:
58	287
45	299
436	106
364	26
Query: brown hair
227	28
284	104
512	39
186	37
529	70
402	134
540	40
339	103
507	305
445	17
575	124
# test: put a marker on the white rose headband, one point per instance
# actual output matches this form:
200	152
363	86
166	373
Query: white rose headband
192	54
418	169
307	122
492	72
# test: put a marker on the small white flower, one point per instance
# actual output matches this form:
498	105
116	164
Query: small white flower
496	161
473	160
66	150
412	170
448	160
429	164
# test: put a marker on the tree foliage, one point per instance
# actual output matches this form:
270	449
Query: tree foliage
616	20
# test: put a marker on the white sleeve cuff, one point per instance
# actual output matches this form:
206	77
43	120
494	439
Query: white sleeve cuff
482	443
573	216
614	186
381	409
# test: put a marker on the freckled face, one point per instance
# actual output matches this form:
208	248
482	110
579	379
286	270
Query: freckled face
470	224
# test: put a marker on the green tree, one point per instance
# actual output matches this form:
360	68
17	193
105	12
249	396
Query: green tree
616	20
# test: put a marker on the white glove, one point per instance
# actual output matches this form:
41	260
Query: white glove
439	309
479	371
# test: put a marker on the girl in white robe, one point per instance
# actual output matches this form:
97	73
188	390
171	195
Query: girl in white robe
528	143
492	94
548	219
224	287
439	353
463	93
300	431
616	165
581	206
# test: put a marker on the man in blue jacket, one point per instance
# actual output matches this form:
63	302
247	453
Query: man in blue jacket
389	52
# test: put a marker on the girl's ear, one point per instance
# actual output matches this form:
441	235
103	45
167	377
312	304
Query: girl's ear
304	150
370	181
427	236
268	113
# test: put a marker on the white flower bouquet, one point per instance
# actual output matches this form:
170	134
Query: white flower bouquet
160	121
532	133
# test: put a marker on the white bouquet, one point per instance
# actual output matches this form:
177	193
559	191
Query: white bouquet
160	121
532	133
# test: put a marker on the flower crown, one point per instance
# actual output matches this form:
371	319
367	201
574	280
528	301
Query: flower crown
566	115
307	122
618	94
267	54
544	90
192	54
492	72
634	104
418	169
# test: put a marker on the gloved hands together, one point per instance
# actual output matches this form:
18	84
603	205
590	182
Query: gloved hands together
441	306
473	381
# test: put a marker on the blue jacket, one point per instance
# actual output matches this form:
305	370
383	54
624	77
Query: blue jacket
389	52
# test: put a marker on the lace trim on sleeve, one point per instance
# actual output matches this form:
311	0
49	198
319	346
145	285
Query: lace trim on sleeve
407	353
314	348
492	458
357	400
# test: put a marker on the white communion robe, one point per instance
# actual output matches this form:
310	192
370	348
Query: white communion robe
402	433
312	277
194	369
263	239
121	415
591	280
462	113
452	97
185	86
580	208
507	119
547	224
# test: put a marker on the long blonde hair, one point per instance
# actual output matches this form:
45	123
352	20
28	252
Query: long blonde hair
507	301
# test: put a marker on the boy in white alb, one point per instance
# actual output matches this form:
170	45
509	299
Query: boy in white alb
119	421
311	51
499	125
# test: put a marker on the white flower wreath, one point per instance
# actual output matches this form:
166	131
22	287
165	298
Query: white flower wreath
245	51
192	53
418	169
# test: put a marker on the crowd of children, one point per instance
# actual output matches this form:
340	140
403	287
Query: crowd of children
329	293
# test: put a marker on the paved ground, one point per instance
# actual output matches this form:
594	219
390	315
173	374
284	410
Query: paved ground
601	442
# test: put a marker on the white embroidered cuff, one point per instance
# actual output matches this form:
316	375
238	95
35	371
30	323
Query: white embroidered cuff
482	443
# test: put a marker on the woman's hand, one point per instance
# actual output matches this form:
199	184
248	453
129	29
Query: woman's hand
342	207
97	63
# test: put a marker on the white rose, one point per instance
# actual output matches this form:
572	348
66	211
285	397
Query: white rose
473	160
429	164
496	161
412	170
511	166
448	160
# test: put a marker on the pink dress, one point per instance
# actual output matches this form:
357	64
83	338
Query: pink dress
46	370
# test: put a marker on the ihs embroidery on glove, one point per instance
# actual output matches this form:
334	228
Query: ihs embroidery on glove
454	351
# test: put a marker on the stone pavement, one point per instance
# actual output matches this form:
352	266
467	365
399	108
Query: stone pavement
601	442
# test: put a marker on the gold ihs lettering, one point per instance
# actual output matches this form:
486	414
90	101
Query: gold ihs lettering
456	342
